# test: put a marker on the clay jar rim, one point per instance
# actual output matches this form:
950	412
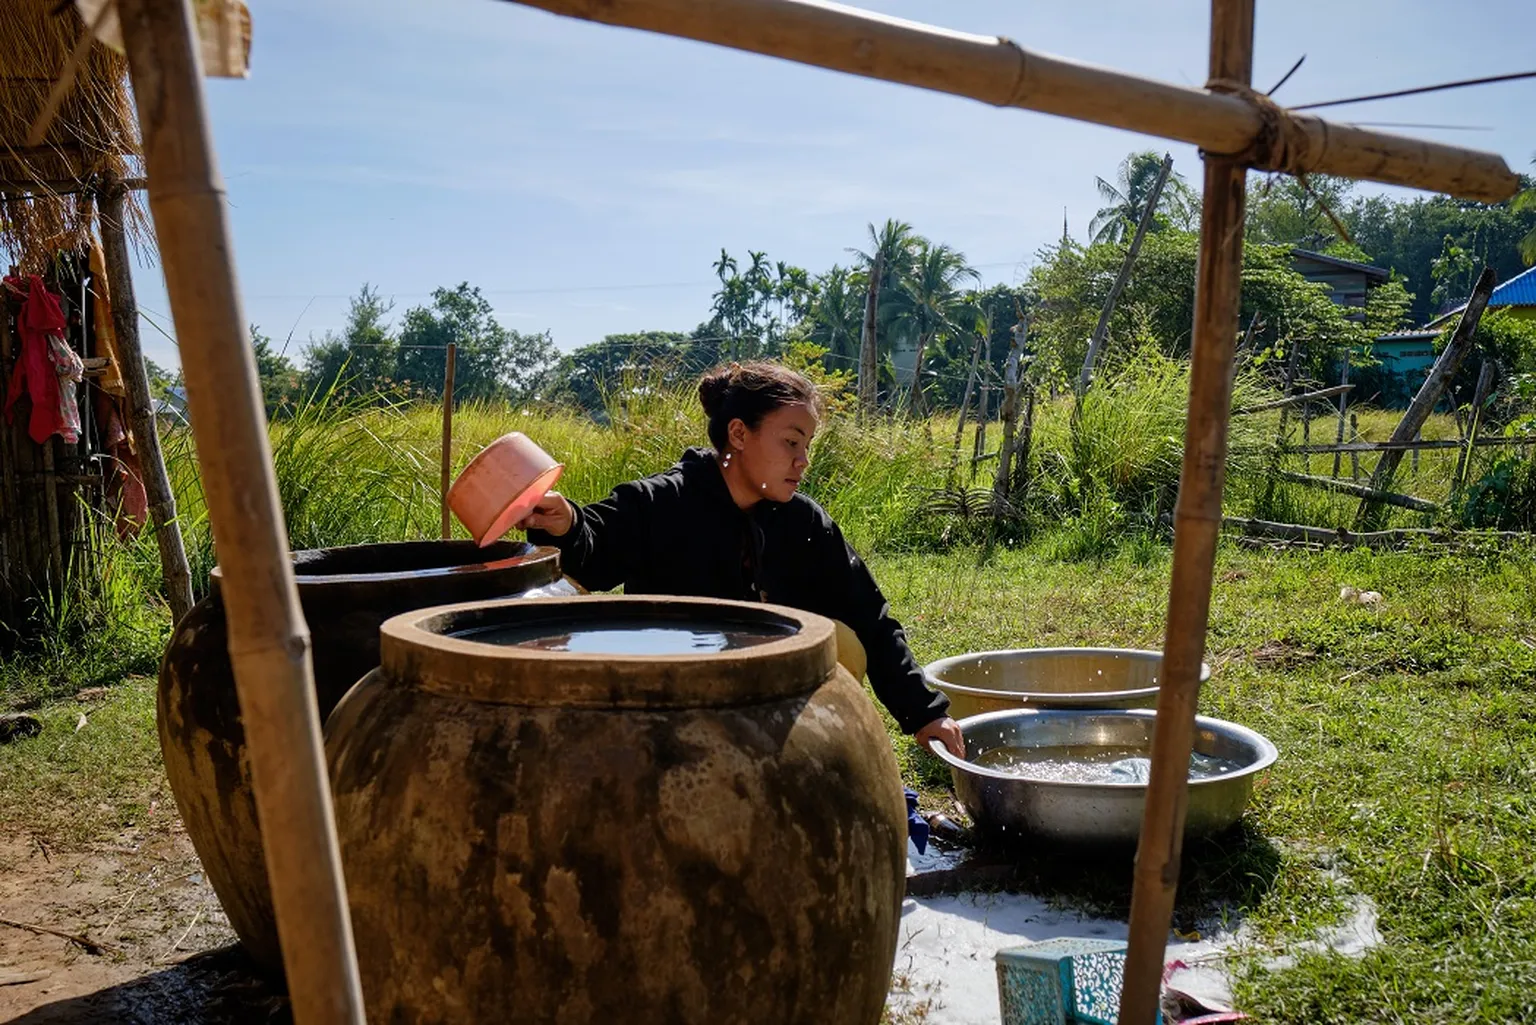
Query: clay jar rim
415	650
527	555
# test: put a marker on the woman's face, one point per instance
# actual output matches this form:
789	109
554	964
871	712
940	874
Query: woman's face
773	458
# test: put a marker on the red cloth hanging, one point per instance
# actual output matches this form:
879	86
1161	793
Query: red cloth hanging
48	369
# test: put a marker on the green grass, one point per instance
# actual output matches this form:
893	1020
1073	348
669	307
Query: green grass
1407	738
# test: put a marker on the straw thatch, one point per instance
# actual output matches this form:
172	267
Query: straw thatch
45	200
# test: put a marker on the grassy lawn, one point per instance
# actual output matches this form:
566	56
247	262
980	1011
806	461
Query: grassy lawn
1407	739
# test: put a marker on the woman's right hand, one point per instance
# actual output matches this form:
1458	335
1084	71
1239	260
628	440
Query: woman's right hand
553	515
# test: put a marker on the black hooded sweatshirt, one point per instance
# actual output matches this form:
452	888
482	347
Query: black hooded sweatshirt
681	533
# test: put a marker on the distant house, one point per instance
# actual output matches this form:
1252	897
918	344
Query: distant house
1405	358
1348	282
1517	295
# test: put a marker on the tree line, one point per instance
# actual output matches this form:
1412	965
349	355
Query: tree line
926	309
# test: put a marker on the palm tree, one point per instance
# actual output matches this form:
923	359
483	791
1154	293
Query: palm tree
932	301
837	312
1128	197
888	261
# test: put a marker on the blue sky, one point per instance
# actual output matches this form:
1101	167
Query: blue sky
586	177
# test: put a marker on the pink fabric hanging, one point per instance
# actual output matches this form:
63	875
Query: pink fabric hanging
49	371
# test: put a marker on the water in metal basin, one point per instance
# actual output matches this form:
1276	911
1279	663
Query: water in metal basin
1090	763
638	637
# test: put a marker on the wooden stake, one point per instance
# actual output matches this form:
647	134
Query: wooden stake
983	404
869	363
1197	526
1096	342
1479	399
1354	457
141	408
1010	419
965	405
1343	405
268	640
51	503
1429	395
1000	72
447	458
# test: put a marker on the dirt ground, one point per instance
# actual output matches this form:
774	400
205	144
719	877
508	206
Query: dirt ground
144	939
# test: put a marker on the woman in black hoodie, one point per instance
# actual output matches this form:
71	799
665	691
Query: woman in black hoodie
731	523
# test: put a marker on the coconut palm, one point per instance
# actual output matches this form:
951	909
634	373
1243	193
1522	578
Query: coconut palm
1128	197
932	301
887	263
837	312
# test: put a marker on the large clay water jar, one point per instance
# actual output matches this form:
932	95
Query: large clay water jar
604	809
345	593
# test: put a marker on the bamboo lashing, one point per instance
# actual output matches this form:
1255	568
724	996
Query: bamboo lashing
268	639
1197	530
1227	119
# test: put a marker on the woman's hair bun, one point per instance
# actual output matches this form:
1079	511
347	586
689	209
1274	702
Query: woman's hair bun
713	387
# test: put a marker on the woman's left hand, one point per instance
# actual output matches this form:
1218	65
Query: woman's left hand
947	732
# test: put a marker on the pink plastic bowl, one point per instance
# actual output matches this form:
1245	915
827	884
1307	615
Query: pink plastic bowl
501	485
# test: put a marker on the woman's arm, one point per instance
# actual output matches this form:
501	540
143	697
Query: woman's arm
894	674
597	542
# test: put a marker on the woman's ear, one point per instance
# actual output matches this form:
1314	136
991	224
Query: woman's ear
736	434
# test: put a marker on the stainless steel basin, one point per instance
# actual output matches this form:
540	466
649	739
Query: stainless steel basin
990	681
1014	805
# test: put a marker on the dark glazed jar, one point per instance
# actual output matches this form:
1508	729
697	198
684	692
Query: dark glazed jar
611	809
346	593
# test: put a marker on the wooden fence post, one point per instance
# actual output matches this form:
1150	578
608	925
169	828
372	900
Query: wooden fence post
965	405
1343	405
1475	421
141	409
1429	394
1010	414
1354	457
447	448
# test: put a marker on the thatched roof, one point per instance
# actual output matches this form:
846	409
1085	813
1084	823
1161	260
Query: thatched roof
45	202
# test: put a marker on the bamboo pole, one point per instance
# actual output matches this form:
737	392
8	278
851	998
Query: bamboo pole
1197	528
141	409
998	71
1358	447
1096	341
268	639
1429	394
1345	487
1475	421
1354	457
447	455
1367	539
1291	400
1338	457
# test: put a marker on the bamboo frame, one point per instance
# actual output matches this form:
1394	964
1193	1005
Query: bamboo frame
1000	72
268	640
